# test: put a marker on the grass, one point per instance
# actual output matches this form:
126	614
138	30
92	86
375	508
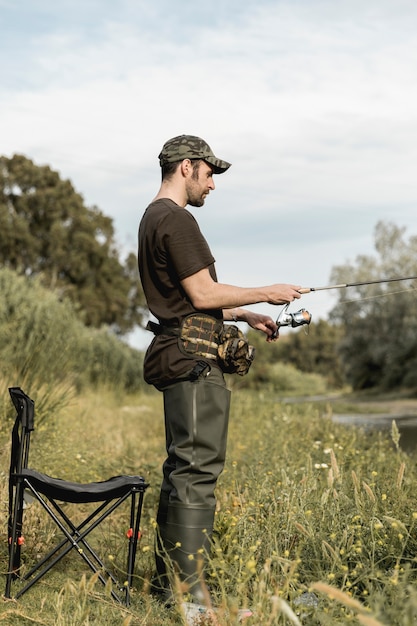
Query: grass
305	506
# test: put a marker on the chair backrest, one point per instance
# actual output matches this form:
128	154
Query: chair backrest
25	407
23	426
19	457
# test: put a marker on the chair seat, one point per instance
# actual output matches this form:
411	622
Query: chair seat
67	491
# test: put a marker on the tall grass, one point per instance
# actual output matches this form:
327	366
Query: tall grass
315	524
47	351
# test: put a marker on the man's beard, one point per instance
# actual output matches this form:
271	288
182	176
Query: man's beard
195	196
194	201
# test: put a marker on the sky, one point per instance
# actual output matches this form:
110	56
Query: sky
314	102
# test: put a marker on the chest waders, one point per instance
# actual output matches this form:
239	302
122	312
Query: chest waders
196	422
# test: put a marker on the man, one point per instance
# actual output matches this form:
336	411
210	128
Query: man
179	281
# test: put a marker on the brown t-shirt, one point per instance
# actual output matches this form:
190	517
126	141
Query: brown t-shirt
171	248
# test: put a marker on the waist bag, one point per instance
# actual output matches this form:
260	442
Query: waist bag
202	335
234	352
199	334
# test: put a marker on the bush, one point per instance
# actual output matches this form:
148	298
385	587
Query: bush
48	352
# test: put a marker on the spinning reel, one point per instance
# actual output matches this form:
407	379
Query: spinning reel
299	318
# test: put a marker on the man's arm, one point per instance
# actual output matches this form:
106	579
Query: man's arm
261	322
205	293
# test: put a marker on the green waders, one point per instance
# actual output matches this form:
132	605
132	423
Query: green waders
196	423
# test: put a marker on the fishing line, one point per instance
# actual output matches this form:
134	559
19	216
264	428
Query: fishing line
381	295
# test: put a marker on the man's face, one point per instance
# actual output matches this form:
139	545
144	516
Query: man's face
199	184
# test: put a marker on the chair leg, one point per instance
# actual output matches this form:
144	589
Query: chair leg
135	517
77	541
75	534
15	536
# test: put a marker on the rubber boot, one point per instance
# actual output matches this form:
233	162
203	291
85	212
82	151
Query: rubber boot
196	420
186	538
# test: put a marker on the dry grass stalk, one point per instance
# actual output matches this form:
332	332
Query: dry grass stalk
327	548
284	608
302	529
335	467
400	475
356	481
369	492
336	594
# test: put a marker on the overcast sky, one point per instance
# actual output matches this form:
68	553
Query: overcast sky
313	101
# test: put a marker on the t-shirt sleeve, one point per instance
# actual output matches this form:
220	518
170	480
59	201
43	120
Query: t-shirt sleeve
187	249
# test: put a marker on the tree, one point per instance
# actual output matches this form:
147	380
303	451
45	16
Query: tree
379	348
47	231
312	351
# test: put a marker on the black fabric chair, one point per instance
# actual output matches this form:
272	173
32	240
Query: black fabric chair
51	493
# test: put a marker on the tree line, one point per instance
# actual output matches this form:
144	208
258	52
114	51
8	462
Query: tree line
47	231
368	341
370	338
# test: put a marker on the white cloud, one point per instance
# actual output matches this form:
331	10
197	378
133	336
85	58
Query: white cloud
314	103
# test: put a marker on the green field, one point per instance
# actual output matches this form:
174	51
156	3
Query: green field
305	506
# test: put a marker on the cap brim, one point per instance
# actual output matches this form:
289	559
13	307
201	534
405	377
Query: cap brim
218	165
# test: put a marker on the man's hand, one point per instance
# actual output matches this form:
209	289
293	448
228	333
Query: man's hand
283	293
260	322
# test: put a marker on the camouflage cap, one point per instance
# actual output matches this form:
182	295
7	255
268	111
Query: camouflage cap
190	147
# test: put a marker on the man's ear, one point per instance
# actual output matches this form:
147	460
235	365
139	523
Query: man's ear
186	167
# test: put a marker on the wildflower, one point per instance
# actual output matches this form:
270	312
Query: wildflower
384	496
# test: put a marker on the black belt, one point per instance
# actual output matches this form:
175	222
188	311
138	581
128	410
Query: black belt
159	329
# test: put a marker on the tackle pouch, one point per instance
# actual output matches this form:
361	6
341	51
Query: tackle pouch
235	355
199	335
205	336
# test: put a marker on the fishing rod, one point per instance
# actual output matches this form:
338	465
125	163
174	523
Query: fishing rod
303	317
366	282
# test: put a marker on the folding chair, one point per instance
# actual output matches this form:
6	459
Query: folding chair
106	496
